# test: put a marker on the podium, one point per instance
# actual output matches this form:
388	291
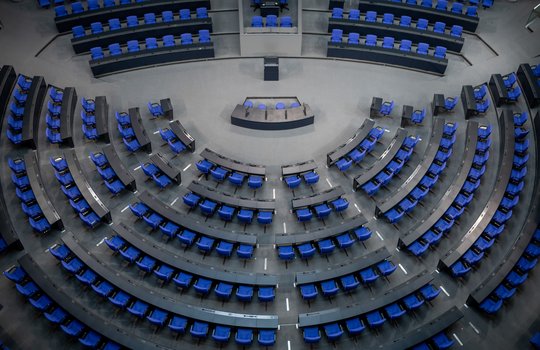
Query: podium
271	69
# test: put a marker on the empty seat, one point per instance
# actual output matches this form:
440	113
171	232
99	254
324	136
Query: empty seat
439	27
286	22
337	36
96	27
456	30
149	18
405	45
440	52
422	49
354	14
371	16
388	18
405	21
201	12
167	16
186	39
388	42
151	43
337	12
257	21
271	21
422	24
457	7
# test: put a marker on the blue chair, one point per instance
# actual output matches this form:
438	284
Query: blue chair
337	36
114	24
322	210
164	273
427	3
167	16
115	49
187	237
285	22
244	336
56	316
349	282
457	7
93	5
394	311
456	31
292	181
326	246
264	217
387	107
221	334
412	302
286	252
460	269
204	166
219	173
183	280
157	317
386	268
226	213
337	12
371	40
244	293
354	326
96	27
375	319
368	275
257	21
255	181
186	39
333	331
442	5
513	94
471	11
405	21
178	324
388	18
223	290
201	12
205	244
343	164
60	11
388	42
185	14
78	32
149	18
133	46
202	286
245	216
354	14
306	250
441	341
151	43
73	328
308	291
439	27
371	16
138	309
266	337
266	294
344	241
405	45
271	21
304	214
354	38
76	7
132	21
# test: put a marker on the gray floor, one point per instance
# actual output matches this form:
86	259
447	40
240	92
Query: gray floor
203	95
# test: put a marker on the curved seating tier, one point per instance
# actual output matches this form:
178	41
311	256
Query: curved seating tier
319	203
138	293
291	174
436	36
456	16
95	119
82	197
59	308
132	130
412	294
272	119
157	168
60	115
173	222
83	42
120	171
177	137
221	167
8	78
209	199
154	54
403	56
465	183
65	21
415	188
480	237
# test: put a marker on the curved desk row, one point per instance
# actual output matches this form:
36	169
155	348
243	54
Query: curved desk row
119	169
298	168
166	168
382	55
506	125
452	43
529	85
65	23
320	233
383	160
189	223
180	263
499	272
140	32
138	129
272	119
333	272
84	187
38	188
436	325
229	200
417	175
374	303
498	90
433	15
102	118
151	57
67	113
165	303
80	312
317	198
233	165
351	143
181	133
452	192
32	111
8	78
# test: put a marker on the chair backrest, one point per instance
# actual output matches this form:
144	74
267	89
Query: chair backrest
371	40
388	42
151	43
286	21
132	21
422	23
204	36
422	48
96	27
149	18
168	40
133	46
456	30
78	31
388	18
337	35
354	38
96	53
354	14
271	21
202	12
440	52
77	7
442	5
457	7
93	4
167	16
405	21
439	26
405	45
185	14
60	11
186	39
371	16
471	11
256	21
337	12
114	23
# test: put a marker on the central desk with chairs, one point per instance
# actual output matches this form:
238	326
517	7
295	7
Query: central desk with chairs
67	21
272	119
87	192
383	160
32	111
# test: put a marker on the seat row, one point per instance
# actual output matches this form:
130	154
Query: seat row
482	104
72	192
325	246
278	105
126	131
388	43
142	310
428	181
88	116
225	212
364	147
219	173
456	7
28	200
443	225
187	237
347	283
375	319
15	119
396	164
184	279
154	173
517	276
150	44
54	313
107	173
322	210
92	5
404	21
54	108
271	21
504	211
514	91
133	21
